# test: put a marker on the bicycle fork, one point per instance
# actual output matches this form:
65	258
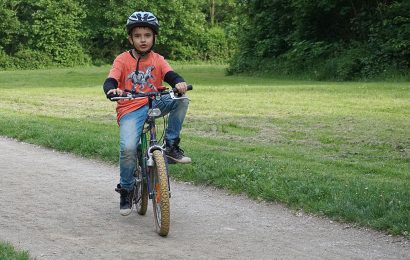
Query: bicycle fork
148	173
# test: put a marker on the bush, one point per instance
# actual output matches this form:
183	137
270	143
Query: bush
6	61
25	59
347	64
29	59
303	57
240	63
216	45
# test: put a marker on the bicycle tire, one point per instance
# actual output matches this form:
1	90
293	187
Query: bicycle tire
160	198
141	193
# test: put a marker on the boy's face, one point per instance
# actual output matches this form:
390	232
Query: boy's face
142	38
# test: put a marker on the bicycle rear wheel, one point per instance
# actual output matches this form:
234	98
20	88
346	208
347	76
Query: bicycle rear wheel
160	198
141	193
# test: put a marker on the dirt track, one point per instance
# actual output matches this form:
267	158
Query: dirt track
59	206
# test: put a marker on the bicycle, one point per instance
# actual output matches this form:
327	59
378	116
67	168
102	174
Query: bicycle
151	173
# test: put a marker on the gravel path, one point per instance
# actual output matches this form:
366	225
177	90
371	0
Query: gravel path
59	206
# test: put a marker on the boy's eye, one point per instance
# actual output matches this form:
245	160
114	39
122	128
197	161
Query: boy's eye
140	35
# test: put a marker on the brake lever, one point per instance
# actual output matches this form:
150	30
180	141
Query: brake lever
173	96
127	96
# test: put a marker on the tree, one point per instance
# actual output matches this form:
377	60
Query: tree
56	30
326	39
181	27
37	33
9	25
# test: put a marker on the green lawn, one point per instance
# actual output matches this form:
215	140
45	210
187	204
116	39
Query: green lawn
9	252
336	149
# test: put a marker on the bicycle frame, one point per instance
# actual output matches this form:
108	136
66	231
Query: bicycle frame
147	150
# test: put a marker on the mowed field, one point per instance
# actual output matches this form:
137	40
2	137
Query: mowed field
340	150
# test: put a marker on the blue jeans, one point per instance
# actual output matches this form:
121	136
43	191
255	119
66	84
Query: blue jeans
131	127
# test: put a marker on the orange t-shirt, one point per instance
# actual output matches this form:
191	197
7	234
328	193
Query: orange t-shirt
151	72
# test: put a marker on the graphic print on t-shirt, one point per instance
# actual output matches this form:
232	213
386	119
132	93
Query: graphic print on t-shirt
140	81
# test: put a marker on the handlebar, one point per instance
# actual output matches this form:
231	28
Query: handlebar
132	95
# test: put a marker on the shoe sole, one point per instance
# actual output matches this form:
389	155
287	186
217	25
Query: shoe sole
173	160
125	212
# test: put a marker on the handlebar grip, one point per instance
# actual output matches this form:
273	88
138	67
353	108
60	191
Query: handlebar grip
189	87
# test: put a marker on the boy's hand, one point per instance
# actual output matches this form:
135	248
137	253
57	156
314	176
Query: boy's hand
114	92
182	87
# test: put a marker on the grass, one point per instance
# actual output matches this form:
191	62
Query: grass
335	149
8	252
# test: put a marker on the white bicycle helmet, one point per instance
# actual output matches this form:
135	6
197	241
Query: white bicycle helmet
142	19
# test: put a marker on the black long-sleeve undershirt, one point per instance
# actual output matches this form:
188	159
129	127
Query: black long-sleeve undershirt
171	77
110	83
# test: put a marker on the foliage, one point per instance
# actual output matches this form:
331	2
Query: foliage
27	58
218	42
5	60
181	29
326	39
9	252
216	45
55	30
40	33
72	32
183	32
339	40
104	26
9	24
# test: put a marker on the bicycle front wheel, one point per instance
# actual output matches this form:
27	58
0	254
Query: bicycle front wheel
160	198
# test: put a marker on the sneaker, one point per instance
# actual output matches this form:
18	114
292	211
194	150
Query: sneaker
125	200
176	154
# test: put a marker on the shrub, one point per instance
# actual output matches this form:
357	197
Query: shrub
6	61
216	45
29	59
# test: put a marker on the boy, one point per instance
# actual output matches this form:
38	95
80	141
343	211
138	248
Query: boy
142	70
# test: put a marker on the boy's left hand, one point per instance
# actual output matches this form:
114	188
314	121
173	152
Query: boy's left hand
182	87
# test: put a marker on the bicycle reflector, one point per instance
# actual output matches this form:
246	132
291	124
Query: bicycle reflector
154	112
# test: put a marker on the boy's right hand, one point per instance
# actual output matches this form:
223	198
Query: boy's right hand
114	93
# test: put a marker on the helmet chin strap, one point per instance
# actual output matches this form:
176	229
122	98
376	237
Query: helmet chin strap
142	53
